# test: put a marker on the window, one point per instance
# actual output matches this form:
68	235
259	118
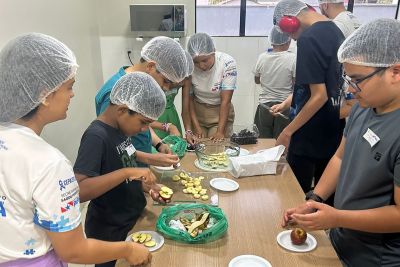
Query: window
368	10
223	17
218	17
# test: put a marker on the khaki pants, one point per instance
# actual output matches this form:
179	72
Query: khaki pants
208	116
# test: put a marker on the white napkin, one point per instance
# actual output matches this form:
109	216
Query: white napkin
261	163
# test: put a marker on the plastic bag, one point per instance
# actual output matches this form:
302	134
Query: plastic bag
178	145
215	232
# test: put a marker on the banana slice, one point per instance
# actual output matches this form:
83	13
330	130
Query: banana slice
148	238
150	243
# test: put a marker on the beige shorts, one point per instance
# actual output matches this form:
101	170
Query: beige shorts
208	116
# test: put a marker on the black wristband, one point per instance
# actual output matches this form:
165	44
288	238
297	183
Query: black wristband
158	145
311	195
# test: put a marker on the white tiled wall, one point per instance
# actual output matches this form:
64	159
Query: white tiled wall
244	50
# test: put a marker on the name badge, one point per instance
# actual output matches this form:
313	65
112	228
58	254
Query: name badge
130	150
371	137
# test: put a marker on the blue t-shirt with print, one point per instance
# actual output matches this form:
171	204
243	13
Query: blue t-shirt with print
141	141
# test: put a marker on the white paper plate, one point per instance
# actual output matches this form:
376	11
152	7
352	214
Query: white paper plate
155	236
249	261
209	169
224	184
284	240
160	168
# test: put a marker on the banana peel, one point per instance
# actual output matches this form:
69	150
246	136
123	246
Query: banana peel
197	224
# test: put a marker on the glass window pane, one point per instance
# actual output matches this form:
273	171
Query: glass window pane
368	10
259	17
218	17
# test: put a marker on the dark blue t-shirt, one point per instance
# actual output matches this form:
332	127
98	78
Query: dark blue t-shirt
103	150
317	63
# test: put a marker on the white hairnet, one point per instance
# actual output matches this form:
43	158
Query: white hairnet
277	37
330	1
169	57
287	8
32	66
200	44
190	64
140	93
375	44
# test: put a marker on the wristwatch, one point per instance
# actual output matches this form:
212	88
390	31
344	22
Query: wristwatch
158	145
311	195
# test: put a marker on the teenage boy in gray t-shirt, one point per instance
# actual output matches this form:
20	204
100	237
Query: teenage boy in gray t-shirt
365	170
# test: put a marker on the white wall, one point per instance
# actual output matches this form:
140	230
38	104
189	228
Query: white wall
74	23
116	39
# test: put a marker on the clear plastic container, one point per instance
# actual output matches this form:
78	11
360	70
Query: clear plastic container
245	135
215	155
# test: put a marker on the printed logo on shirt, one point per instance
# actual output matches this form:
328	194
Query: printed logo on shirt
64	183
30	244
335	101
122	146
3	212
66	196
126	159
377	156
70	204
3	145
216	87
62	225
30	251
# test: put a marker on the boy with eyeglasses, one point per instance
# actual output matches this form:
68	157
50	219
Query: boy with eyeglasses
365	170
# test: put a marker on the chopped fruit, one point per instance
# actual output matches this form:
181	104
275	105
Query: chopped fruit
150	243
135	237
204	197
166	193
142	238
148	238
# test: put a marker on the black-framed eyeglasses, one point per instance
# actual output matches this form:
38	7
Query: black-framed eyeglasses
166	81
355	83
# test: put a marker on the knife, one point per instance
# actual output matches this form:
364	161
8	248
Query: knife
278	113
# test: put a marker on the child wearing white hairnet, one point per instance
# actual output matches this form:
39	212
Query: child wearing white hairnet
212	85
170	116
275	71
40	220
106	153
165	60
364	222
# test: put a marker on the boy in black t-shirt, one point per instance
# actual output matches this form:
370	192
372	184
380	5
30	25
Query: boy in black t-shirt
106	169
314	133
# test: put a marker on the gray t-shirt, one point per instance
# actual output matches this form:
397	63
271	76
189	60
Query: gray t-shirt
277	71
370	170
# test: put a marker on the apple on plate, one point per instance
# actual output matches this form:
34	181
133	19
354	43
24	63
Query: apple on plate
298	236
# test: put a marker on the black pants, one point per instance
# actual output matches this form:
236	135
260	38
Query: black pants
95	228
306	169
